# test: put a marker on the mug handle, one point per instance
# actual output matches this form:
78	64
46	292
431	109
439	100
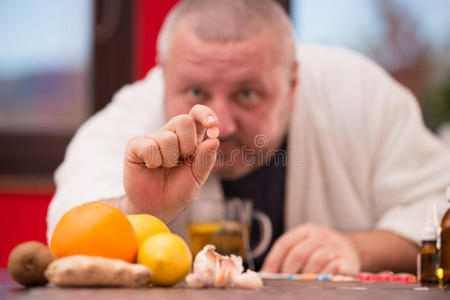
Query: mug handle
265	228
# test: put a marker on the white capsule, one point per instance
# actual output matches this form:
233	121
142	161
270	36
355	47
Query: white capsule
213	133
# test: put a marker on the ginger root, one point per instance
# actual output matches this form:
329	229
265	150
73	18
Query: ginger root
89	271
214	270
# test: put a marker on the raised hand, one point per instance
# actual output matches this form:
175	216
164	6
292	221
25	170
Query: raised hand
165	169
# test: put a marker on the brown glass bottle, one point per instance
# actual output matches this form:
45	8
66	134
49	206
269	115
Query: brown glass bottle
428	264
428	260
445	243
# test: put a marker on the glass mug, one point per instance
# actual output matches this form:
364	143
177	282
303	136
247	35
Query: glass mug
227	225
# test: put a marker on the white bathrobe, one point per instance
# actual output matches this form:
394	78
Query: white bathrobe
360	157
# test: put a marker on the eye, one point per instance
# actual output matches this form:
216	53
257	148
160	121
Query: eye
248	98
246	93
195	92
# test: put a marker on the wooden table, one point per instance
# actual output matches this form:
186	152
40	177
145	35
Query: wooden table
273	290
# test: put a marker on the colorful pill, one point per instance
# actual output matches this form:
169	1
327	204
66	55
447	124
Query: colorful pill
405	277
366	276
343	278
323	277
307	276
385	276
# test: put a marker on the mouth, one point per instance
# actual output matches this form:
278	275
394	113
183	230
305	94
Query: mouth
226	147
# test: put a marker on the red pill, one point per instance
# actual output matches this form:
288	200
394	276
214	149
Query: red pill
366	276
385	276
405	277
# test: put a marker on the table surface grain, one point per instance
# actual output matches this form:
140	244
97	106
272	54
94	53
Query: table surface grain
272	290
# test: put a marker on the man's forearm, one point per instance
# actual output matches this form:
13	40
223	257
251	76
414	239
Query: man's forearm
127	207
385	250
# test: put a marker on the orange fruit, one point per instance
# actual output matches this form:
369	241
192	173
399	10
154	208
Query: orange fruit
95	229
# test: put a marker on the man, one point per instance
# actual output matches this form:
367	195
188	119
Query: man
360	164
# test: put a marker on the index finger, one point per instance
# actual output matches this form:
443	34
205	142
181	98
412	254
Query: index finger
205	118
204	115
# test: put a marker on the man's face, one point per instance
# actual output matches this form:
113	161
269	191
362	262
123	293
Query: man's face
246	83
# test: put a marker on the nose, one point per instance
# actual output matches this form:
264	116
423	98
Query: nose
227	125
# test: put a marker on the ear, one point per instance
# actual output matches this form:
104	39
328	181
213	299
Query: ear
294	78
159	61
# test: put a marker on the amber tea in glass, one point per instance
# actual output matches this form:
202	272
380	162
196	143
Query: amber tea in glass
228	237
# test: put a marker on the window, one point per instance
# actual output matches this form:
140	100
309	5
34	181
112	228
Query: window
44	65
60	61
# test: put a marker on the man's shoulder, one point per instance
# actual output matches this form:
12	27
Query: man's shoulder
142	99
342	90
338	75
135	108
319	58
151	85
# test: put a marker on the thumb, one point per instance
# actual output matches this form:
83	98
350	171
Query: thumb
204	160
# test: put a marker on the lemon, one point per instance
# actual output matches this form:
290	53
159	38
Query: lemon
168	257
146	225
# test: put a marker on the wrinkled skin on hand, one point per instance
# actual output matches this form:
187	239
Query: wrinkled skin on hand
165	169
311	248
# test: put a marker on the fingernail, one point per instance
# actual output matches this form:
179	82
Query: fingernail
213	133
210	119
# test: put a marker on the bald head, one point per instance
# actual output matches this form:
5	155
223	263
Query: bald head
229	21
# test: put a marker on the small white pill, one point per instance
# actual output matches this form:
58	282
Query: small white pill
213	133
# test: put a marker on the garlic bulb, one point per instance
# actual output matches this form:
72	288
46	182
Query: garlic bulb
214	270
